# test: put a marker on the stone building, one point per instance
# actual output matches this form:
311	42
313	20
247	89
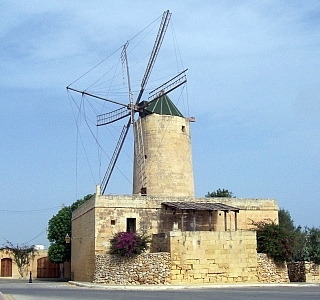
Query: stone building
176	224
206	239
40	265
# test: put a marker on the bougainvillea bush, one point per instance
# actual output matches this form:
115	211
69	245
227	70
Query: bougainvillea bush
128	244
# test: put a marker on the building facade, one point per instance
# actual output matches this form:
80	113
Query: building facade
39	266
98	219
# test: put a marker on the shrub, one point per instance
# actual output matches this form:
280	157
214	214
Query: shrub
128	244
274	240
312	244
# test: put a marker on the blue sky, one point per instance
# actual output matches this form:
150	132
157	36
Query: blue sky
253	86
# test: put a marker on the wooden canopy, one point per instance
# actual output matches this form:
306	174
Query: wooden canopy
185	206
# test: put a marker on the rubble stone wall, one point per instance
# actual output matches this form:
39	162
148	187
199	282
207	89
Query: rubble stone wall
156	268
302	271
270	272
147	268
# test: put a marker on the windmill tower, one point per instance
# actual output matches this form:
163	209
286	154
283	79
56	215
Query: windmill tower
163	159
162	144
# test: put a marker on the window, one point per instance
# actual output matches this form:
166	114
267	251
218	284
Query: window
183	128
113	222
131	224
143	191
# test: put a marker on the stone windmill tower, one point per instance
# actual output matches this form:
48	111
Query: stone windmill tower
162	144
163	159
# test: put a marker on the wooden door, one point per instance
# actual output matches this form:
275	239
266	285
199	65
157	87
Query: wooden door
47	269
6	267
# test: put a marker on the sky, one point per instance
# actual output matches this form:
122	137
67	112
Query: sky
253	87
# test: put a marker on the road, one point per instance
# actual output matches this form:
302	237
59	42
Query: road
46	290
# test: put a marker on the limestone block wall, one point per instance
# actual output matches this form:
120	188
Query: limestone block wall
213	257
152	268
83	242
250	209
112	212
167	156
270	272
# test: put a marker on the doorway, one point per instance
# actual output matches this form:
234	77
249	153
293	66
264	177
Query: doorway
6	267
131	224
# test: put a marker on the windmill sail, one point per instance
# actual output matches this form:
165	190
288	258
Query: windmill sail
115	156
157	98
112	116
161	33
168	86
160	36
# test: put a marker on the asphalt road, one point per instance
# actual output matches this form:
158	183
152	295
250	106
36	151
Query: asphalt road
22	290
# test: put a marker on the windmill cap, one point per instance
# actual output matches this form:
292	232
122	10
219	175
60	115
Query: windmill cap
162	106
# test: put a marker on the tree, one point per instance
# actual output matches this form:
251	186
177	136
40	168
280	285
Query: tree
220	193
274	240
312	245
300	237
22	254
285	220
58	227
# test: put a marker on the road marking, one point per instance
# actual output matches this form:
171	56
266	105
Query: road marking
8	297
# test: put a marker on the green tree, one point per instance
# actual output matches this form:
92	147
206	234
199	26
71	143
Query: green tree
58	227
22	254
220	193
300	252
285	220
274	240
306	244
312	245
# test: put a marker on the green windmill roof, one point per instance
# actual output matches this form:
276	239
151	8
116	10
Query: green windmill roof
163	106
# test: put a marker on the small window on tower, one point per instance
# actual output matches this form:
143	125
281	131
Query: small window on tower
183	128
143	191
113	222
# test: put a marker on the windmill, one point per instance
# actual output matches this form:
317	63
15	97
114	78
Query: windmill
158	103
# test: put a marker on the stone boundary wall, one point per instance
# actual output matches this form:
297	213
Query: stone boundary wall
213	257
160	243
147	268
155	268
303	271
270	272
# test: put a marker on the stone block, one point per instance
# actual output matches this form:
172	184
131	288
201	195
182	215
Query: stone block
197	276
